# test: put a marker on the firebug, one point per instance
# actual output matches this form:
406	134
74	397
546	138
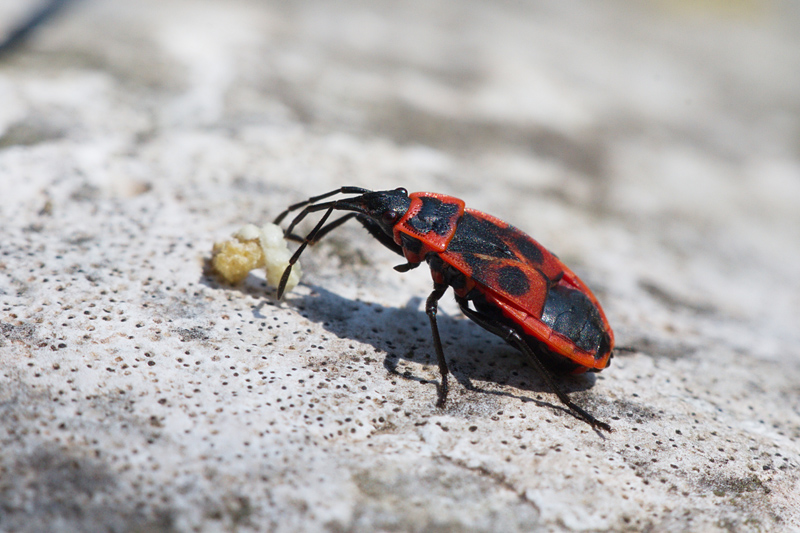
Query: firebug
503	280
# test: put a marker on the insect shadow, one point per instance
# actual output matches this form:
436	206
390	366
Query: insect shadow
403	334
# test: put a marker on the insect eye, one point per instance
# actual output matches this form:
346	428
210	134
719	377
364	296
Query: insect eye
389	217
402	190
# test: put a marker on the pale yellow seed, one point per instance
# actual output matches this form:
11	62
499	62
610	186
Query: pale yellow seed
253	247
233	260
276	257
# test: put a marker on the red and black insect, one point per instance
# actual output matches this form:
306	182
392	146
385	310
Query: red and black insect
503	280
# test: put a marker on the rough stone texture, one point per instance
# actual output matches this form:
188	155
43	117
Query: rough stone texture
655	146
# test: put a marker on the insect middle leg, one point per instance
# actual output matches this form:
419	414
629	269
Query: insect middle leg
431	308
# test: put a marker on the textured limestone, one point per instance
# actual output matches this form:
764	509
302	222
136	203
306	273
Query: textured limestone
653	148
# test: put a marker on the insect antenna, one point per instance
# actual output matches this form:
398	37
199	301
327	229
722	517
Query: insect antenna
322	231
319	231
341	190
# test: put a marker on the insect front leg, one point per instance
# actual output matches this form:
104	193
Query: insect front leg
431	308
309	239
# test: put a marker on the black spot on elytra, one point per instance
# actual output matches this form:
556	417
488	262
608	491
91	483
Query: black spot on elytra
477	265
513	280
434	215
571	313
479	237
528	248
605	347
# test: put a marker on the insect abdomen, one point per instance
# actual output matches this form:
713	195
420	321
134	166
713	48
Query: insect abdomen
572	314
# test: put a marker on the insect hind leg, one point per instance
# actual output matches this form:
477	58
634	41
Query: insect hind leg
511	336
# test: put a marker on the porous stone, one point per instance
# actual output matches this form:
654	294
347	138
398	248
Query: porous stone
652	146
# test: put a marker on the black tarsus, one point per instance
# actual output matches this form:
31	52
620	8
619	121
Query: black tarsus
405	267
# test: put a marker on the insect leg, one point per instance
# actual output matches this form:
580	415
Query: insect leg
405	267
310	238
431	307
321	229
309	209
512	337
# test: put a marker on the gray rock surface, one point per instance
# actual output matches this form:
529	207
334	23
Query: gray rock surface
654	146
